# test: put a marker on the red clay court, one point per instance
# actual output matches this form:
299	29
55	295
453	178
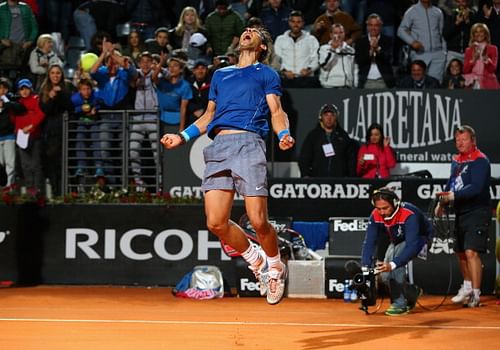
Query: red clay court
102	317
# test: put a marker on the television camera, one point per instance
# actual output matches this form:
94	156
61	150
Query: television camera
364	283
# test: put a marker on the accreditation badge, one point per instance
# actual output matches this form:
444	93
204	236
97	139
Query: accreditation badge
328	150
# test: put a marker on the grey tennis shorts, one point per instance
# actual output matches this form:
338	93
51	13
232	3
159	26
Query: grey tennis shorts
236	162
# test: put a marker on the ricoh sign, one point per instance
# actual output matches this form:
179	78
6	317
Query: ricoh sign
87	243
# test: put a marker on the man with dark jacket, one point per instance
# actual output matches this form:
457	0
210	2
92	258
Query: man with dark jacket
146	16
328	151
373	56
200	85
275	17
334	15
457	30
468	193
418	78
224	27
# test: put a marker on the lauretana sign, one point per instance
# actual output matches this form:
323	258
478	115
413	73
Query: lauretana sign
420	124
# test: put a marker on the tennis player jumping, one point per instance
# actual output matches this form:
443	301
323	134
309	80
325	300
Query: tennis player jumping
240	99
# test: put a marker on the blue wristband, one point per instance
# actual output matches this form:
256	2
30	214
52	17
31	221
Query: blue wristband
283	133
190	132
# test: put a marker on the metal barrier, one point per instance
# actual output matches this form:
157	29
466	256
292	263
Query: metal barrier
113	149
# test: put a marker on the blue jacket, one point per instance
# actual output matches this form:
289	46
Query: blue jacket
113	93
409	224
276	21
470	181
78	102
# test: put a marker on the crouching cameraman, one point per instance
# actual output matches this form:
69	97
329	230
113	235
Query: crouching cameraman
408	231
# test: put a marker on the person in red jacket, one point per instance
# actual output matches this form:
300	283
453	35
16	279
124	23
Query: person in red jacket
376	157
480	59
28	124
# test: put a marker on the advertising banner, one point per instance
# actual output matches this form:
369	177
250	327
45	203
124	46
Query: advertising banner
319	199
107	244
149	245
8	246
420	124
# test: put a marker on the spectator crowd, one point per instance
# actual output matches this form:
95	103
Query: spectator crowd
154	55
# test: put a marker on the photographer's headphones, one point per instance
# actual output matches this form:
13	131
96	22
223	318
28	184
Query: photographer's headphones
386	194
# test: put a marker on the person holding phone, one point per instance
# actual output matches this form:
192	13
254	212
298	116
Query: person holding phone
336	61
375	157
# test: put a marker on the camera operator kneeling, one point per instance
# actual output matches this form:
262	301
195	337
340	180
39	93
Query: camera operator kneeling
408	231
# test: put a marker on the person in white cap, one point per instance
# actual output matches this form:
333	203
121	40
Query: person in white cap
197	48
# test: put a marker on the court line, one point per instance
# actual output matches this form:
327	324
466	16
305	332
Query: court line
240	323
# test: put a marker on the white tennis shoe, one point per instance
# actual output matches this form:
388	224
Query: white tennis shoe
260	273
276	284
462	296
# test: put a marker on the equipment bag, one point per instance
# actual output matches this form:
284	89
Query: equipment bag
205	282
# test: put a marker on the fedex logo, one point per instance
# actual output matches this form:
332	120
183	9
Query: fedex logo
347	225
247	285
335	286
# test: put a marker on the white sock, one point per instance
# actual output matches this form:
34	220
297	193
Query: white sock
467	285
251	255
274	262
477	293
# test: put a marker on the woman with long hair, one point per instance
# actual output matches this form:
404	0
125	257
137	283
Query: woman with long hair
481	58
135	46
453	78
55	99
189	23
375	157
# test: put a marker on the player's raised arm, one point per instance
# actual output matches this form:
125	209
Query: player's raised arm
199	127
279	121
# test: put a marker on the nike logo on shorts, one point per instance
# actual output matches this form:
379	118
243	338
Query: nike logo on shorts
258	188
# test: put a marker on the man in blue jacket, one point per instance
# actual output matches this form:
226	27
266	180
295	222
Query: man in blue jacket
468	191
408	231
113	74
